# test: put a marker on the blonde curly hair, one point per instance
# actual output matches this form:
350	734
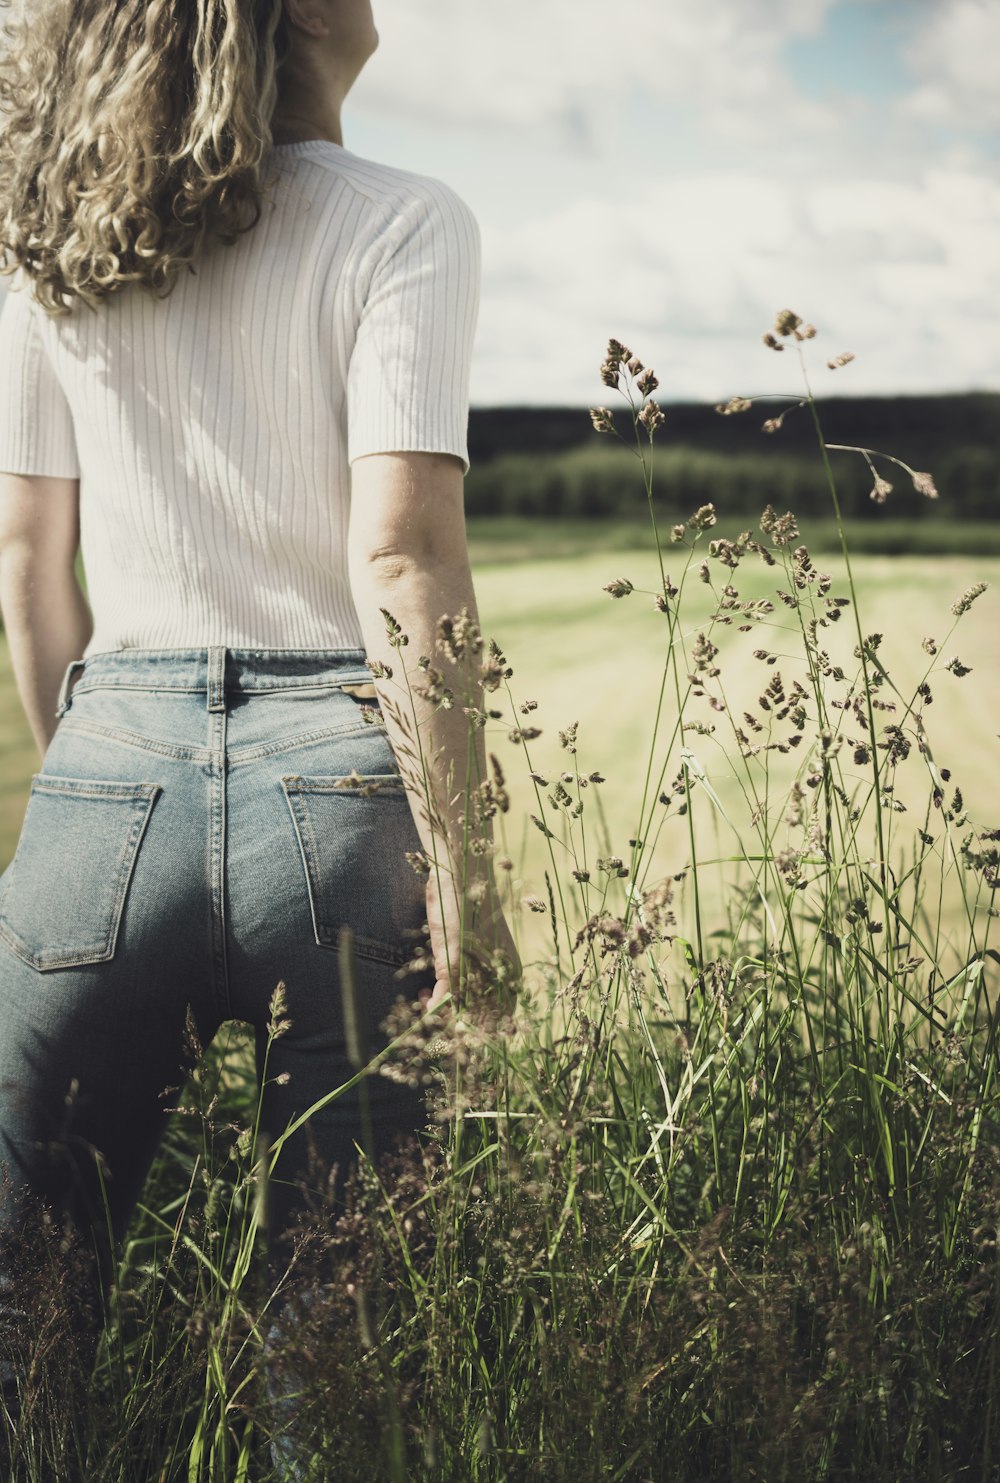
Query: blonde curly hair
135	130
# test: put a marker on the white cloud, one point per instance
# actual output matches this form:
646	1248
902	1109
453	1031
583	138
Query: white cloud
955	55
656	173
527	64
907	275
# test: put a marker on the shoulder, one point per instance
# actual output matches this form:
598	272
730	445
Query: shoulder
401	200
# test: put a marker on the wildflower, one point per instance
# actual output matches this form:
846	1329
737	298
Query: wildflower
805	332
677	533
924	484
620	587
771	342
702	519
610	373
419	862
651	417
773	424
634	365
843	359
896	746
788	862
495	669
559	797
458	636
602	419
786	321
378	669
957	667
436	691
968	597
647	382
397	637
735	404
524	733
703	651
880	489
929	646
533	903
782	529
617	352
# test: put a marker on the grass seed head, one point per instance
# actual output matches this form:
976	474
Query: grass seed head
968	597
735	404
786	321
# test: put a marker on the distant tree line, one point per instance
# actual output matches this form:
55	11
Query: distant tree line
550	461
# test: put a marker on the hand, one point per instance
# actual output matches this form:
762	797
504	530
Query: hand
489	934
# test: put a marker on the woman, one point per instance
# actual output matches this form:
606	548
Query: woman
235	364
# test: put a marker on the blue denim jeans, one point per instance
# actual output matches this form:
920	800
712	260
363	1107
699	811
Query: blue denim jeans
188	842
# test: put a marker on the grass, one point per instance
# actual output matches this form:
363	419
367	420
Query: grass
723	1202
508	539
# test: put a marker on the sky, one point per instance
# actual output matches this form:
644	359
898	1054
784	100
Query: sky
673	172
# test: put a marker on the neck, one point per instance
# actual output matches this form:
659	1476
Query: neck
291	128
309	103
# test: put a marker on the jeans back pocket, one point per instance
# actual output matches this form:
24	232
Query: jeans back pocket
65	889
353	836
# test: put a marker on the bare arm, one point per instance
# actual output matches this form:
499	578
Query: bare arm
45	614
407	552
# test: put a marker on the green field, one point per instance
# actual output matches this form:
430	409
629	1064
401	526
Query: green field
589	659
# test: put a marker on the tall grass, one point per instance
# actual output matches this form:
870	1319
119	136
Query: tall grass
723	1202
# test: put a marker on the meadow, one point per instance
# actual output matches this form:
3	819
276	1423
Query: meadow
722	1200
588	659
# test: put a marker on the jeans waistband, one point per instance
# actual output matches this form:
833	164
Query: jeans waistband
213	670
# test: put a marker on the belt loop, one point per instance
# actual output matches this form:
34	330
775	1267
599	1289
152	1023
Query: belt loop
62	702
216	677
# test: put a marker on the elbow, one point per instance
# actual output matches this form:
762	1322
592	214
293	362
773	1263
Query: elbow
395	565
388	564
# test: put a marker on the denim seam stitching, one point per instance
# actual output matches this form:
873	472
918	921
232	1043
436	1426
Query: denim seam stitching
236	756
45	782
134	739
217	861
302	826
81	689
387	782
239	755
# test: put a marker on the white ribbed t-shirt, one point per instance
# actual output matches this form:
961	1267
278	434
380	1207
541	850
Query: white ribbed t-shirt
212	431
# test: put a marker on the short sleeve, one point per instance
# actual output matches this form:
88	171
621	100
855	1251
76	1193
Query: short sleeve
36	424
408	376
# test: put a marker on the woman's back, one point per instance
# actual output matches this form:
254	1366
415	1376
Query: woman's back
212	431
